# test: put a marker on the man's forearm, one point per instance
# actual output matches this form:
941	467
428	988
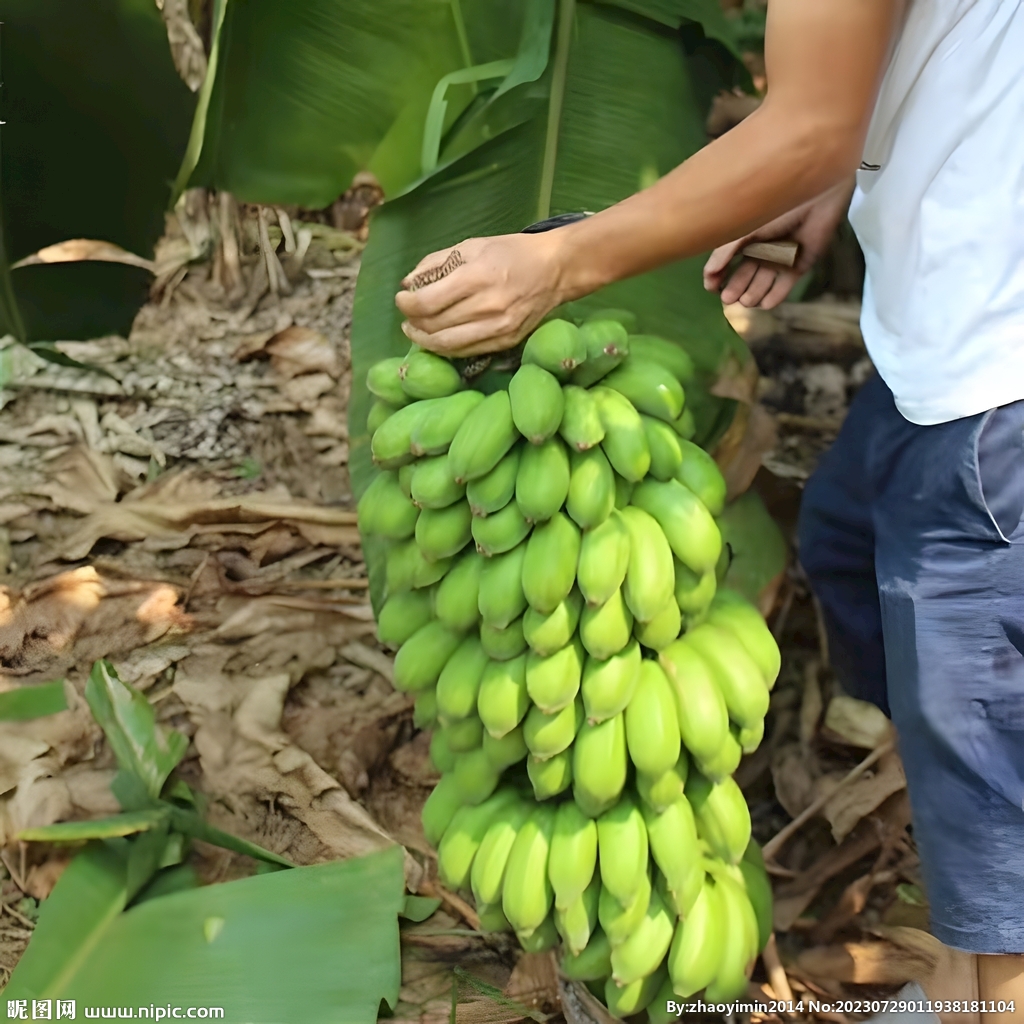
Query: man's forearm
804	139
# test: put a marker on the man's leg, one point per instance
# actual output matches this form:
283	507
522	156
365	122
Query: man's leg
837	547
950	563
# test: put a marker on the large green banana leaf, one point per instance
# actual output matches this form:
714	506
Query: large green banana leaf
96	121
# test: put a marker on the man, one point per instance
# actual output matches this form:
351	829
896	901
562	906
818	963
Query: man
911	529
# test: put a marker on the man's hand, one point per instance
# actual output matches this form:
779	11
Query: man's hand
757	283
504	288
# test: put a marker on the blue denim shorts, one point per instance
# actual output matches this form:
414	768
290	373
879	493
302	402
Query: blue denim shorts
913	540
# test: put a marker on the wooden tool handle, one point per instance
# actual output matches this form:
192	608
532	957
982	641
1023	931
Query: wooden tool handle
783	252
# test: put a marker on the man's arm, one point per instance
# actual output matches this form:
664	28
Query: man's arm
824	60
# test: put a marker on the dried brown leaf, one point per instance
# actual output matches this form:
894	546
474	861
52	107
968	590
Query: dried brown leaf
302	350
857	800
856	722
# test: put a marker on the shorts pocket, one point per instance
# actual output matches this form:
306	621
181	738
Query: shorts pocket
999	462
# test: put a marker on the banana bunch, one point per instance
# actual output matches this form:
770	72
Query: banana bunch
552	588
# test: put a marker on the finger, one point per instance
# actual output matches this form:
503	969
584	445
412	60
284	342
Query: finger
467	339
721	257
477	306
740	280
779	291
434	299
759	286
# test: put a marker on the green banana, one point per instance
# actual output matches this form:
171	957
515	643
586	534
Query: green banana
537	402
459	681
626	317
700	706
619	920
605	629
652	727
488	871
608	686
391	445
663	629
650	577
732	612
407	569
576	922
426	375
622	850
740	944
629	1000
599	765
725	760
542	483
694	591
500	532
444	532
573	857
691	532
420	659
681	902
700	473
424	709
492	918
541	939
639	956
547	634
581	427
750	738
502	702
405	474
506	751
668	354
759	891
462	838
625	442
623	491
722	817
383	382
549	571
433	434
403	614
464	735
604	559
661	791
686	425
432	484
649	387
553	681
672	835
594	963
547	735
494	490
526	894
556	347
664	442
698	944
503	644
444	800
550	776
385	511
591	494
659	1010
607	343
734	671
486	434
501	598
442	757
378	413
457	601
475	776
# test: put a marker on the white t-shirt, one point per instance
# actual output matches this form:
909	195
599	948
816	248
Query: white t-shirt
939	211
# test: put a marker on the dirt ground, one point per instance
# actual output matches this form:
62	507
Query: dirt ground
187	513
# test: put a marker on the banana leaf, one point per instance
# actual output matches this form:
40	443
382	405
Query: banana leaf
318	944
757	547
614	110
27	702
96	121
